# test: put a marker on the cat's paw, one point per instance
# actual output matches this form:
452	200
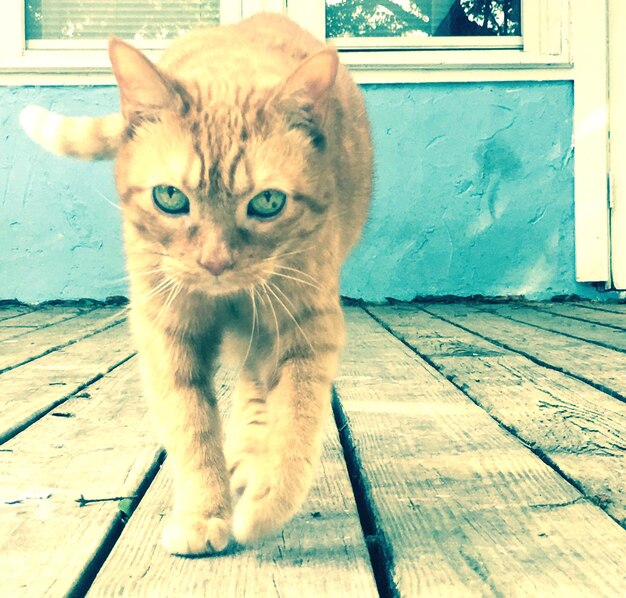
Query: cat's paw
269	499
195	535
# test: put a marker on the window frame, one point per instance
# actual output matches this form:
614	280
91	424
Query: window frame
542	53
60	62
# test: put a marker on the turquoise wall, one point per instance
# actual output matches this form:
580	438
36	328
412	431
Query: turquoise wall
473	195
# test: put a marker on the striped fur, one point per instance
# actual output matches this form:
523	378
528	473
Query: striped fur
227	113
79	137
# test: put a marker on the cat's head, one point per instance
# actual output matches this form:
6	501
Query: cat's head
220	183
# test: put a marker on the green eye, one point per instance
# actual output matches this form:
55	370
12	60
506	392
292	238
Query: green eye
170	199
267	204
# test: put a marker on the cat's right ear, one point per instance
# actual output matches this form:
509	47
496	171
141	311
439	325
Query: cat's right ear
143	88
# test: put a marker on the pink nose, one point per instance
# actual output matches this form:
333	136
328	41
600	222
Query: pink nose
216	266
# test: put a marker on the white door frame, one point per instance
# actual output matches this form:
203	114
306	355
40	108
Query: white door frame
617	143
591	156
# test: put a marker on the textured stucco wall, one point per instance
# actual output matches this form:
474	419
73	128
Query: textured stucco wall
473	195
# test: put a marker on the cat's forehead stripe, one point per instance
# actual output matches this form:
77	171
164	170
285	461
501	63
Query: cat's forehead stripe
192	171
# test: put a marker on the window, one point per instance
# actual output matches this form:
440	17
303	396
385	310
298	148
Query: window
47	22
415	20
64	41
418	40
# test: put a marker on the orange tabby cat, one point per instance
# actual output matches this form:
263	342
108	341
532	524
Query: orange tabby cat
244	172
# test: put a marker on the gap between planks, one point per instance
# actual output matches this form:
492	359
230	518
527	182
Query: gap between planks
321	552
597	333
39	342
43	384
467	508
576	429
550	349
100	446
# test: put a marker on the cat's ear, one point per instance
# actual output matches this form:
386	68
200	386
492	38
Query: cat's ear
143	88
314	78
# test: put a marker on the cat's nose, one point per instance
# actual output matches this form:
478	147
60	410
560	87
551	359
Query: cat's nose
216	266
215	255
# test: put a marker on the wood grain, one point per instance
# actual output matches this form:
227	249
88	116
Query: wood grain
34	388
34	343
96	448
606	336
587	313
611	307
467	509
321	552
41	318
600	366
580	429
12	311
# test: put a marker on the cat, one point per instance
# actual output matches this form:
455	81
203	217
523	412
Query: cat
243	167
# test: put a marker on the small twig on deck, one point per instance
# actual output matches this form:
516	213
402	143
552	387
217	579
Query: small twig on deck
19	501
82	501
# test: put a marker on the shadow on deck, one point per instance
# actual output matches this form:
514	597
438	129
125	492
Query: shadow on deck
477	449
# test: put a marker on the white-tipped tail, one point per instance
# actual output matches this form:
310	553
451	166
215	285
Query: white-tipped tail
89	138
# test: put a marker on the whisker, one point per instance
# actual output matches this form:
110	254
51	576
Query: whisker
136	275
274	273
269	299
252	292
296	270
289	253
175	290
121	313
103	196
284	296
161	288
270	287
261	298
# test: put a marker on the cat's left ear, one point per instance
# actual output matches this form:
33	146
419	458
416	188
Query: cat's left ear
143	88
314	79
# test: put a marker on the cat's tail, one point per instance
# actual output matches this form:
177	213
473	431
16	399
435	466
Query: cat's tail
89	138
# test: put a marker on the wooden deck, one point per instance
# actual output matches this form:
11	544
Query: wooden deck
477	449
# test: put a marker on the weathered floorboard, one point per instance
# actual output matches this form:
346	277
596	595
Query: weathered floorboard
12	311
41	318
38	386
466	508
583	312
580	429
15	351
96	448
602	367
610	337
321	552
617	308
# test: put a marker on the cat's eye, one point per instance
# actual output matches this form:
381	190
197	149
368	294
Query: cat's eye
267	204
170	199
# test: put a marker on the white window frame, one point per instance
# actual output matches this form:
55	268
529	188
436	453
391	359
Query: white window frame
543	53
63	62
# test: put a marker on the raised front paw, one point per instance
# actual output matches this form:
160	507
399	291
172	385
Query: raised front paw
195	535
270	497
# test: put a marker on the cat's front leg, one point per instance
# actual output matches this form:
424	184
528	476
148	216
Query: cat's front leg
178	372
274	476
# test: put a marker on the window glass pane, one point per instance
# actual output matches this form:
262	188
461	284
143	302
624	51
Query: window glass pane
422	18
130	19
